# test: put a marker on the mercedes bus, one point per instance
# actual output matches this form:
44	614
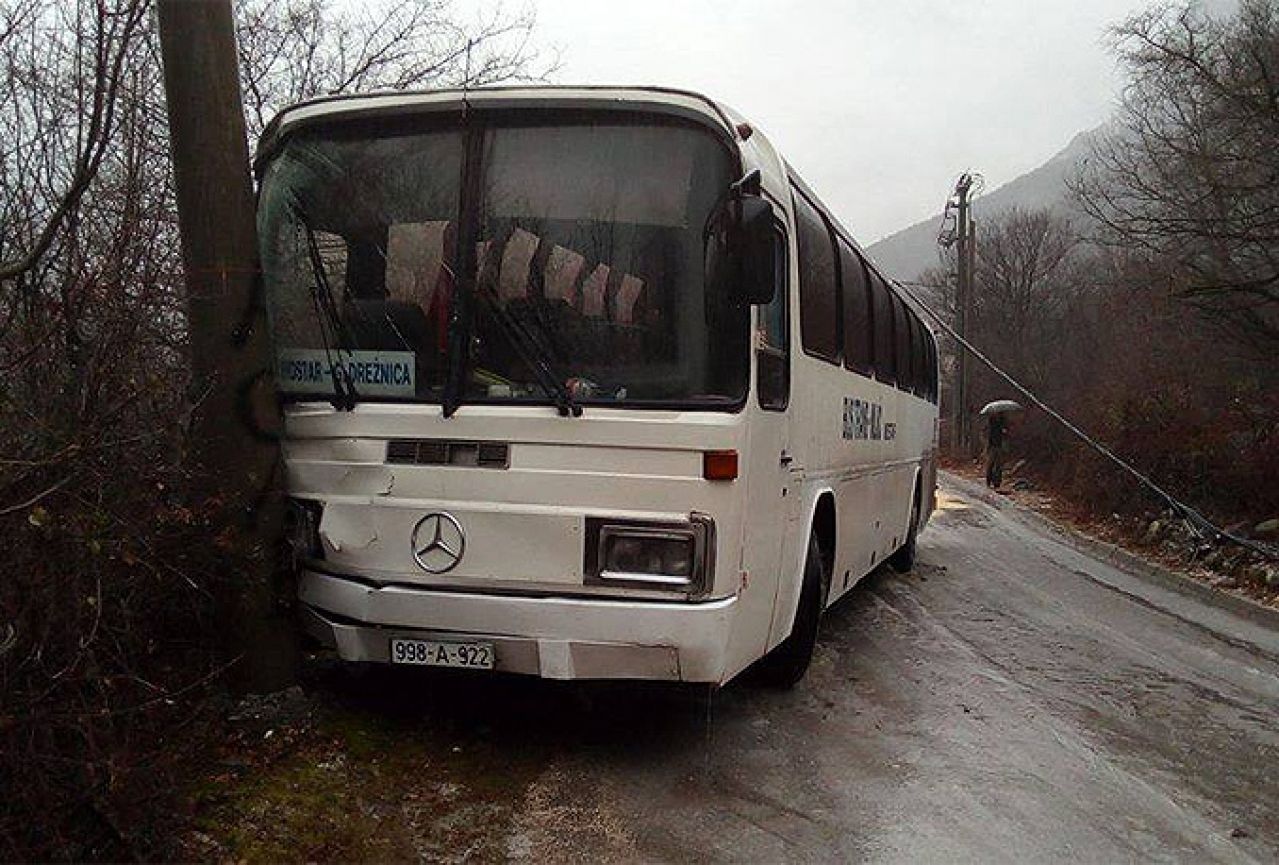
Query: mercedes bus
580	383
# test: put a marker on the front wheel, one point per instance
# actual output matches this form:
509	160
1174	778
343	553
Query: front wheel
786	664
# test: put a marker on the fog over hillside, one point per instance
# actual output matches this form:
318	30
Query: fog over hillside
909	252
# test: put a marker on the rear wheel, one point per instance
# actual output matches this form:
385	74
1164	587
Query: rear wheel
786	664
904	559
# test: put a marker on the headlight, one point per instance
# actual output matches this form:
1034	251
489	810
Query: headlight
642	555
667	555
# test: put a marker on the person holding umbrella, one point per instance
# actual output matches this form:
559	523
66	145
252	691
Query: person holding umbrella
996	414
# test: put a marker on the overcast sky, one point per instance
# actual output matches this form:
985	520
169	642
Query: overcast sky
879	104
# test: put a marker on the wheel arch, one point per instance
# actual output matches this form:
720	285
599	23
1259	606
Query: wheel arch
824	524
917	499
819	511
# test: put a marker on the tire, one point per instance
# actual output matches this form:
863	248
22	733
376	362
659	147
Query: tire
786	664
903	560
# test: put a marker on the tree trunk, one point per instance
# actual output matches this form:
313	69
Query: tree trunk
230	354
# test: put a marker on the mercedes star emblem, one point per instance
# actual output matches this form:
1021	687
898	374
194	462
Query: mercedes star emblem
438	542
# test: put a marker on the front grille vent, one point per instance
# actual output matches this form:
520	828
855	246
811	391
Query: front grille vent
439	452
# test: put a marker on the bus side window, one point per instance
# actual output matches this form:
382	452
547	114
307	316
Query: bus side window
882	321
901	333
930	363
919	356
772	355
855	292
934	388
819	322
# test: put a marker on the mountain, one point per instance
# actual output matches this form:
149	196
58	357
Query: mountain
909	252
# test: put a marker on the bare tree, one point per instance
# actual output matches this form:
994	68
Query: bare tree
292	50
1023	281
47	111
106	622
1028	271
1188	173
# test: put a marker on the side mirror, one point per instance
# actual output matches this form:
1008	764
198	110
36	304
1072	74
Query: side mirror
741	248
758	251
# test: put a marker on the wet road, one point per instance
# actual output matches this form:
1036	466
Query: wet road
1011	700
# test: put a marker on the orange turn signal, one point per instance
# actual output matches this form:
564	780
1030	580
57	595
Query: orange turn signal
719	465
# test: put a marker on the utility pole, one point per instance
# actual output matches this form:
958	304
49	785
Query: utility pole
965	237
228	340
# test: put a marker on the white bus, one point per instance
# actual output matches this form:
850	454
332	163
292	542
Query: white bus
580	383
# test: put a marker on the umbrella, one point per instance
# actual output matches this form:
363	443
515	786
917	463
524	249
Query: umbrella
1001	406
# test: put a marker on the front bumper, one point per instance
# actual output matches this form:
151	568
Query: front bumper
556	638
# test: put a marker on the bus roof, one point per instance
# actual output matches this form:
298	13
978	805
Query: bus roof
658	100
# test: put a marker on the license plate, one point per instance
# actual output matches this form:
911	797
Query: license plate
432	653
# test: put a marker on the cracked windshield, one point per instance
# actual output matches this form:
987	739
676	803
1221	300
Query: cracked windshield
575	266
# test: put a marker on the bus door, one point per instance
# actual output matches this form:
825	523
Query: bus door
774	475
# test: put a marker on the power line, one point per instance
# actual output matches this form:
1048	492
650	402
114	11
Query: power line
1199	524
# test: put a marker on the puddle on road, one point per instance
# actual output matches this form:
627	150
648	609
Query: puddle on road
952	509
948	502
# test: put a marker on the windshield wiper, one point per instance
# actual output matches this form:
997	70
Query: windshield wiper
535	356
330	321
